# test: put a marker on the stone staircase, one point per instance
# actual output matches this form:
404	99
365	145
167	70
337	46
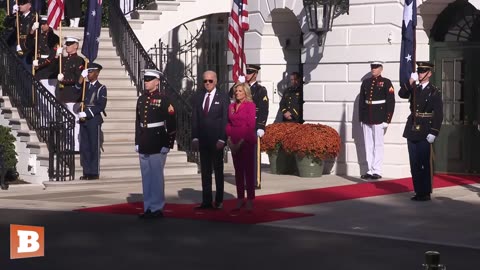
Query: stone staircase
162	16
119	162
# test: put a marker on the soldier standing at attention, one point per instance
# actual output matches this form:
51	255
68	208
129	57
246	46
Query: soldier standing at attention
423	126
376	106
47	43
91	121
155	130
292	100
72	67
260	98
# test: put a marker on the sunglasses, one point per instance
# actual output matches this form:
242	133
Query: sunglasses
207	81
250	71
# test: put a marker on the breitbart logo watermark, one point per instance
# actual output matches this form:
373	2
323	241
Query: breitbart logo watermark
26	241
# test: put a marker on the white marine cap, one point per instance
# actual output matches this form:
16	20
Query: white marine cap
377	63
72	39
152	73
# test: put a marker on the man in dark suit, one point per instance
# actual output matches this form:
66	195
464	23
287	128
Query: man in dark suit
209	120
91	121
423	126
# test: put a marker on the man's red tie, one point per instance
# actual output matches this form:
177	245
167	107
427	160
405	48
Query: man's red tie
205	106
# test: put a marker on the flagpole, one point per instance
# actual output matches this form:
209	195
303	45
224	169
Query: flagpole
8	7
82	104
18	34
36	57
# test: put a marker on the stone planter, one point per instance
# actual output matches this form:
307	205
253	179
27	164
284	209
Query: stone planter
281	163
309	168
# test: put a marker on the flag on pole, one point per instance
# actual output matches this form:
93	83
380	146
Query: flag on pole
93	24
55	13
237	25
37	6
407	55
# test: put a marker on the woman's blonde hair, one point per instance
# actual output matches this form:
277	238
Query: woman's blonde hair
246	88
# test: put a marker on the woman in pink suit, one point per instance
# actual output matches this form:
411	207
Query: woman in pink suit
241	140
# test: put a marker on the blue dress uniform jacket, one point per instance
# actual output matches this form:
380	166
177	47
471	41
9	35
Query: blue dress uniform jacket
426	111
155	125
377	101
72	67
291	102
90	130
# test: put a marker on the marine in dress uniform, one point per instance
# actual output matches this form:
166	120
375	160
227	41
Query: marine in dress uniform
47	44
376	107
155	130
72	67
423	126
291	103
91	121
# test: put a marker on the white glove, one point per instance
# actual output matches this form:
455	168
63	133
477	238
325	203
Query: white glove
385	125
19	49
60	77
35	26
59	51
35	63
431	138
82	115
241	79
85	73
136	148
164	150
414	76
478	127
260	132
15	9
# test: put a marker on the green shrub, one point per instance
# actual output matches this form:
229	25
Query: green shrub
7	142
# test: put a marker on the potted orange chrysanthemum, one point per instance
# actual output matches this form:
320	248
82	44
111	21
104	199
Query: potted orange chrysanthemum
313	144
272	143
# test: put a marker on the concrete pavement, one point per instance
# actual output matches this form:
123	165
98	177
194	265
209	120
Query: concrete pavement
449	222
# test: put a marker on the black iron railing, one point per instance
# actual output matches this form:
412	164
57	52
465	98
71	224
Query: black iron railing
136	59
51	120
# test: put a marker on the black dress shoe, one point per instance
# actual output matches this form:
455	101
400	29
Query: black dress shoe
258	187
376	176
420	198
156	214
146	214
93	177
366	176
84	177
204	206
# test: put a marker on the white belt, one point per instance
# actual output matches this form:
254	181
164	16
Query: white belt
152	125
44	56
375	101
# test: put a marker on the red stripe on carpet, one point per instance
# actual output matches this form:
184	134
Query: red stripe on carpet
265	205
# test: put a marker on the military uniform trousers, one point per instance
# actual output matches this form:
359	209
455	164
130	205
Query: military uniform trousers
421	167
373	138
153	180
90	147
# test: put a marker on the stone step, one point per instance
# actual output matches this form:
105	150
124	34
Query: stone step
119	135
117	70
133	170
125	147
27	135
125	124
18	124
120	102
118	80
171	179
147	15
108	159
37	148
121	91
118	113
164	5
79	32
108	61
10	113
109	51
135	24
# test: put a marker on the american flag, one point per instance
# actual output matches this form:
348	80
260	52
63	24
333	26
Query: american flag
93	24
55	13
407	55
237	25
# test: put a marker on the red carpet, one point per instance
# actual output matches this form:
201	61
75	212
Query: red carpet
265	204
